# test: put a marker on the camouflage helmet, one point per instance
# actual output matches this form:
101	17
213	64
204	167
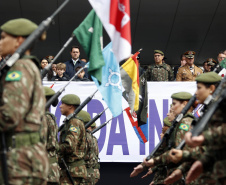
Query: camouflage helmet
84	116
210	77
71	99
19	27
181	96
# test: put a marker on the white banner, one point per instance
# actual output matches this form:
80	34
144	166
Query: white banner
118	141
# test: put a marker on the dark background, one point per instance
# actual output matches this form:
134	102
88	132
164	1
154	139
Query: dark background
172	26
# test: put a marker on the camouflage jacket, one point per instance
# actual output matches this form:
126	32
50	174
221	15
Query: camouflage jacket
161	72
52	147
21	89
72	146
97	162
22	107
176	137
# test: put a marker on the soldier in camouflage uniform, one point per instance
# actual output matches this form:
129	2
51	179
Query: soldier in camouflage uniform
90	153
22	109
179	101
96	152
206	84
72	142
160	71
52	141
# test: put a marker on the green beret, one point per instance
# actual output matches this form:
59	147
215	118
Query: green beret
71	99
84	116
158	51
166	122
49	91
19	27
210	77
181	96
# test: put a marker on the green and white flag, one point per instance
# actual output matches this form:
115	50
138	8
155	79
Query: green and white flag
90	35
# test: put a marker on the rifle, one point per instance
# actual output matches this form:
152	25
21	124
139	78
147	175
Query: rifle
87	100
52	99
171	129
67	171
8	62
94	119
101	126
47	68
4	158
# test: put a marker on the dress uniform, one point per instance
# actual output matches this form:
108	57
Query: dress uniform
189	71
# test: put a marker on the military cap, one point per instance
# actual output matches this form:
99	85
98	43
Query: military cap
181	96
84	116
94	125
71	99
189	54
19	27
158	51
49	91
211	60
210	77
166	122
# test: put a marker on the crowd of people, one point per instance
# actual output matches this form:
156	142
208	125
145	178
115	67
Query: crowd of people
31	153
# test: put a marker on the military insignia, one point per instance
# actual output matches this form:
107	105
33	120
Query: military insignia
184	127
13	76
73	129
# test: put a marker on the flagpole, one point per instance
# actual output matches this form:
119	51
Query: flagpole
47	68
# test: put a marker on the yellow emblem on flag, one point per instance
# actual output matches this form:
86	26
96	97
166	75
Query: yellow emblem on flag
73	129
184	127
13	76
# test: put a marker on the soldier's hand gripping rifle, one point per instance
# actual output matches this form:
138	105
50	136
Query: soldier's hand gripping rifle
168	133
217	97
8	62
80	107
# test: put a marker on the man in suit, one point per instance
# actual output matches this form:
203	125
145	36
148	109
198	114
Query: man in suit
74	62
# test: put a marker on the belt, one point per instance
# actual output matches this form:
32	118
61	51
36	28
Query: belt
18	140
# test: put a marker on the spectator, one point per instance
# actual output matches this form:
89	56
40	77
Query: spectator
189	71
81	75
49	75
206	68
211	63
74	62
221	56
182	63
54	69
159	71
61	76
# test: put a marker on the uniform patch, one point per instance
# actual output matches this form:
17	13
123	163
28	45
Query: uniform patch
184	127
13	76
73	129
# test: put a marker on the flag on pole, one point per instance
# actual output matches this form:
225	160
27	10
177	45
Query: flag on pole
139	119
90	35
130	81
111	86
115	17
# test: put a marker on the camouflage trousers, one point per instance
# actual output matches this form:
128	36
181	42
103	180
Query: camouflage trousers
96	175
64	179
54	173
27	165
